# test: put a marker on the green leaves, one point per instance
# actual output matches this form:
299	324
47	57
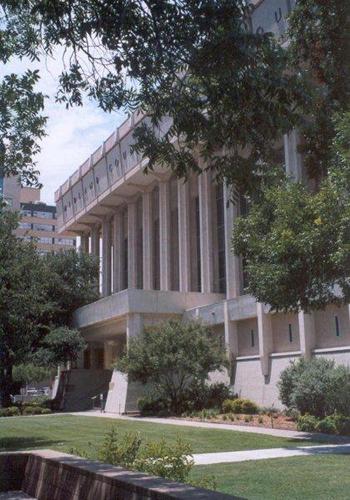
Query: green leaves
296	242
171	357
21	125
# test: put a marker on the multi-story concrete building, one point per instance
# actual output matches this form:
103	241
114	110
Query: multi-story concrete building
38	220
165	248
39	224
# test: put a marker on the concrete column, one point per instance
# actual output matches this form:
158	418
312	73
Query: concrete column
293	159
134	326
184	235
95	250
231	334
147	243
307	334
164	235
106	256
233	269
84	245
132	227
206	236
117	252
95	240
265	338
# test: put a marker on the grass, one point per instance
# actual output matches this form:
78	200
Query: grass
67	431
322	477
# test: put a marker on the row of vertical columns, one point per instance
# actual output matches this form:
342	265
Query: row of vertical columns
113	234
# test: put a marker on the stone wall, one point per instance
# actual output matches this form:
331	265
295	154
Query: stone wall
47	475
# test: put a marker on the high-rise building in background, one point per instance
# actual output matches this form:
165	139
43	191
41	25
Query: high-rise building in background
38	220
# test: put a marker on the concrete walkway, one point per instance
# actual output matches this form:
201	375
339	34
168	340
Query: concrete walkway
243	456
231	427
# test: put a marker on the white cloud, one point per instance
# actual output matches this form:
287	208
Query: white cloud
72	134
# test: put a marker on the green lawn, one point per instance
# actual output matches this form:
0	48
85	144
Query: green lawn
64	432
318	477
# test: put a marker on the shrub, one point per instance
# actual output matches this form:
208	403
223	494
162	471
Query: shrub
227	405
10	411
327	425
317	387
33	410
45	411
172	461
342	424
239	405
119	449
248	406
151	405
260	420
307	423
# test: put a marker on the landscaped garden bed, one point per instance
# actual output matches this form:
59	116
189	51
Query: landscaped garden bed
276	420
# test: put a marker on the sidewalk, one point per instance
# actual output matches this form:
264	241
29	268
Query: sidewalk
231	427
243	456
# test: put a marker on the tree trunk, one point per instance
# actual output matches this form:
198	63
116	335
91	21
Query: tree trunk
6	385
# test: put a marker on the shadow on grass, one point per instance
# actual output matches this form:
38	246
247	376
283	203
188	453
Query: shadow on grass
27	443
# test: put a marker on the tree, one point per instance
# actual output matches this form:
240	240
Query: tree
36	296
198	63
222	96
317	387
295	241
60	346
30	373
73	283
171	357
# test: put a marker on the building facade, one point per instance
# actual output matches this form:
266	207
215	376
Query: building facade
38	221
165	250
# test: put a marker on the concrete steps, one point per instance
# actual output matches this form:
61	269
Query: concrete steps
82	385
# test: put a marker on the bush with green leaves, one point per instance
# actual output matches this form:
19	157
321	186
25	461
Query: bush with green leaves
35	410
10	411
171	357
317	387
307	423
169	460
342	424
239	405
327	425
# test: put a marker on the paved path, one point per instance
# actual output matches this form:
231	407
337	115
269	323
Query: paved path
243	456
238	428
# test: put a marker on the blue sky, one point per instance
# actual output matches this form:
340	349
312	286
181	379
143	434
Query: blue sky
72	135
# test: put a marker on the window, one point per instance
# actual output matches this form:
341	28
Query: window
65	241
43	227
290	332
44	239
26	212
45	215
25	225
252	338
337	329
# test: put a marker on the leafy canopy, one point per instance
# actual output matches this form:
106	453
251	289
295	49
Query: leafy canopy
171	357
36	296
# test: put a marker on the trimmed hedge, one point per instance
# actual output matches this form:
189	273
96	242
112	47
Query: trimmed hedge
239	405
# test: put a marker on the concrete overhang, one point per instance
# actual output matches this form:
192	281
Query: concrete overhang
133	301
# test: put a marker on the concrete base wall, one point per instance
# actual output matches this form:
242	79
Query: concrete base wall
47	475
